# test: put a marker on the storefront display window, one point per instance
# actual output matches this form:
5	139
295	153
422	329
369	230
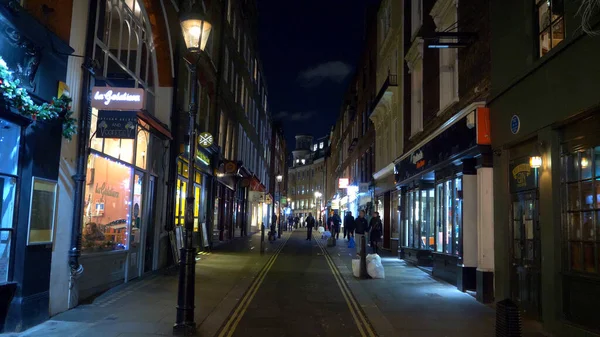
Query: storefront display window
138	184
457	216
427	224
8	187
581	209
10	135
419	222
440	217
180	194
107	205
143	139
448	242
395	215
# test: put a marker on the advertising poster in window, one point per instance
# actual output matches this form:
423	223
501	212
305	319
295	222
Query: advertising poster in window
41	216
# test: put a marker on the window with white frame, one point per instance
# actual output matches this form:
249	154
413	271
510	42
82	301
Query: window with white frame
414	60
416	15
445	16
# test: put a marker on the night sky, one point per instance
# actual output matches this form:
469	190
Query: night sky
309	50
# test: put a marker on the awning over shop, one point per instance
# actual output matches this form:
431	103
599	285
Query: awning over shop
155	124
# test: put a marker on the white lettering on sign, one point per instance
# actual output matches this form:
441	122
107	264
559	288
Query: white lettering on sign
110	96
418	155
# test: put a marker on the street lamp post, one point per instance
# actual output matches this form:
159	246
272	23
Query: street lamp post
279	179
196	31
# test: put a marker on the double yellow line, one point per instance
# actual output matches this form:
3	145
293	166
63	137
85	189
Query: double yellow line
364	327
242	306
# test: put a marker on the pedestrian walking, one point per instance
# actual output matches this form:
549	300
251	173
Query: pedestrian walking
376	232
310	223
296	221
361	226
349	225
336	226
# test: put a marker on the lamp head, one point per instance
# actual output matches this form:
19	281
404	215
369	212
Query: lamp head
196	30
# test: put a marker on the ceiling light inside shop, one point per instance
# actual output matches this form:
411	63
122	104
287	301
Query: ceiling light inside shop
584	162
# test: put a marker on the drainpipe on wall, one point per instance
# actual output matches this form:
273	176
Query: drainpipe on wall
82	146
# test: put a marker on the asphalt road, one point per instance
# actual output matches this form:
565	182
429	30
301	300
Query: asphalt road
297	294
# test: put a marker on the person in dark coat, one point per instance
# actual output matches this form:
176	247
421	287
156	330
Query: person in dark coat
336	226
376	231
349	225
310	223
361	226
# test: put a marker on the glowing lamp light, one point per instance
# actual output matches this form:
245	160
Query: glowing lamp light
279	178
196	30
318	194
535	161
584	162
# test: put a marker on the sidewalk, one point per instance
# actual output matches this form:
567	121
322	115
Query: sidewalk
409	302
147	307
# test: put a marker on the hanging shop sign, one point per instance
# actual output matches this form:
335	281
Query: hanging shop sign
268	199
116	124
343	183
363	187
205	139
448	145
522	176
108	98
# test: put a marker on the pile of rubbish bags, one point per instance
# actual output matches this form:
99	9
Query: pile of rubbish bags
374	266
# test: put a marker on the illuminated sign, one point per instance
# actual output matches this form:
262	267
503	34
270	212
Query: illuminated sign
205	139
343	183
107	98
203	158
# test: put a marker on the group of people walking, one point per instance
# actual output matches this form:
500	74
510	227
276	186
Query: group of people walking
359	228
356	228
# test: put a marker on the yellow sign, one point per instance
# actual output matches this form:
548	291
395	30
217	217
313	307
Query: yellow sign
63	88
520	174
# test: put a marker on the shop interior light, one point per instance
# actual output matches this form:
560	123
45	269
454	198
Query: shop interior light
535	161
584	162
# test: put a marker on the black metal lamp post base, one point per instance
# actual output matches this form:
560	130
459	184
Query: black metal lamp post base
184	329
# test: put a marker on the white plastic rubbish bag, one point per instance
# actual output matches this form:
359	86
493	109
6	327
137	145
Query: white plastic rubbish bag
356	267
321	229
326	234
371	257
375	269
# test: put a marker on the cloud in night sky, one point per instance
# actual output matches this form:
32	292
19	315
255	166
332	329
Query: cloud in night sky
294	116
335	71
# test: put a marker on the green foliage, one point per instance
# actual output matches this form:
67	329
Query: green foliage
58	108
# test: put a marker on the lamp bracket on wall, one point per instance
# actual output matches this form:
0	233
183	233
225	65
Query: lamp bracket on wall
446	40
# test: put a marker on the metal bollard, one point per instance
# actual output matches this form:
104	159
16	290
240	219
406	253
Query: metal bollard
363	258
262	238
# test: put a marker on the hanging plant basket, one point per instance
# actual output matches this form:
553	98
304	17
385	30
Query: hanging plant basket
17	97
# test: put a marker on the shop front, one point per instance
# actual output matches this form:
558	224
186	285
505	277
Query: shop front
383	190
202	179
33	65
437	203
552	224
125	152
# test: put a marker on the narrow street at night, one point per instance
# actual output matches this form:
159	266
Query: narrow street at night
296	288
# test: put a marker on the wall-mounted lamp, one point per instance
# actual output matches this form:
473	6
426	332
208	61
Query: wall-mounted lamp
535	161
